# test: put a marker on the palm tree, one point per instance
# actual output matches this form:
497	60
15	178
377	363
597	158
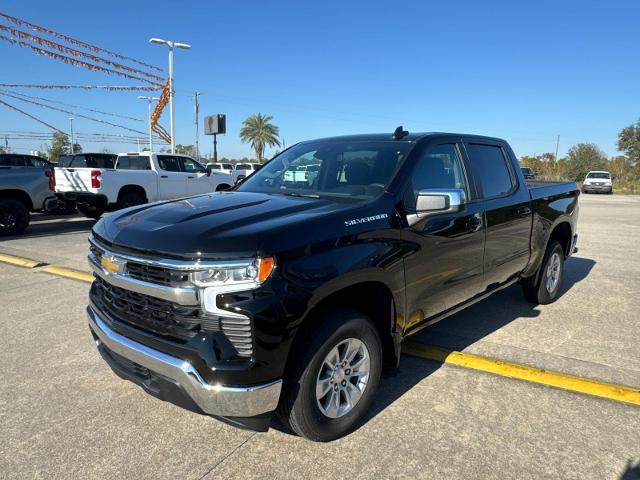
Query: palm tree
257	131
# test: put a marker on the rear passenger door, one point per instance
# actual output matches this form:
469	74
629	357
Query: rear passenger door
172	183
507	212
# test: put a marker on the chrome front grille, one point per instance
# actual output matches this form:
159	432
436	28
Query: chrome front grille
162	302
175	322
161	275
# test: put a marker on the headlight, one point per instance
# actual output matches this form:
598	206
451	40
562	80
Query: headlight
255	272
215	281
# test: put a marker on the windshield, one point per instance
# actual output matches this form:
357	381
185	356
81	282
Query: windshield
527	171
598	175
359	170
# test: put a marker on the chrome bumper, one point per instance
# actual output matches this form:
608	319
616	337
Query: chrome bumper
216	399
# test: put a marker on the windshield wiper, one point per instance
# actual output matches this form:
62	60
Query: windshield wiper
297	194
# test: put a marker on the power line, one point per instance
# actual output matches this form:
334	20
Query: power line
30	116
74	106
72	113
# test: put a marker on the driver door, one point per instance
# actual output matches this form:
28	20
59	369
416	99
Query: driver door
446	268
198	181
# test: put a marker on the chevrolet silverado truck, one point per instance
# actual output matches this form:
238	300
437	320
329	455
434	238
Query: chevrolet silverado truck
98	181
24	189
287	298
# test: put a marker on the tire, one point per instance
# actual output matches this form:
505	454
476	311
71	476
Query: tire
14	217
545	290
318	419
130	199
222	187
90	211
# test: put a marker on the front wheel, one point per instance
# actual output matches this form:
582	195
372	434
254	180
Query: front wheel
333	375
546	288
14	217
90	211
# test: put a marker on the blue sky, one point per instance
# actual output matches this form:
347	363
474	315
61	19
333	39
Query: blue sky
522	72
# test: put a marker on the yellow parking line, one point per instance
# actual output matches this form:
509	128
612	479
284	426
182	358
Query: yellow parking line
19	261
563	381
69	273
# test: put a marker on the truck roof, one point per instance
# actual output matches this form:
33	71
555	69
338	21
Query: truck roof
410	137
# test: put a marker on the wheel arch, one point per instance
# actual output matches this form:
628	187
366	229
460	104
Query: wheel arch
19	195
374	299
133	188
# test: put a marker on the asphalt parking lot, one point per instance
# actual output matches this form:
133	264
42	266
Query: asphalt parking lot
64	414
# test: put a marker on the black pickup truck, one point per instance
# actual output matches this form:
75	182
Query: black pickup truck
289	293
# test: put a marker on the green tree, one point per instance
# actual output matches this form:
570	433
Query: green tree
186	150
260	133
629	142
60	145
584	157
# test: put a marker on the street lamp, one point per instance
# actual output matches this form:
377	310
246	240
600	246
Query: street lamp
149	100
171	44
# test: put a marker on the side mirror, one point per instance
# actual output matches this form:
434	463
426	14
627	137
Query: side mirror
208	170
435	201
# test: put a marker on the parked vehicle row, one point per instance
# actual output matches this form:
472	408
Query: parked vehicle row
95	182
286	296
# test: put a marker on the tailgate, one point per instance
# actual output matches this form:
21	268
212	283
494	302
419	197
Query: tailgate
73	179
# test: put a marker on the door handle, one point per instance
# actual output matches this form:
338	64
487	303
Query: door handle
524	211
474	223
191	176
164	176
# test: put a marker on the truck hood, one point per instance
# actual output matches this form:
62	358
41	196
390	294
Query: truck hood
226	224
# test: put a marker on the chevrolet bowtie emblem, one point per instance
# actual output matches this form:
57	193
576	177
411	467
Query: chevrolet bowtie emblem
112	265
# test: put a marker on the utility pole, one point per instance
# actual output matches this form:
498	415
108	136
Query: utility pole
149	100
215	147
557	146
71	120
196	108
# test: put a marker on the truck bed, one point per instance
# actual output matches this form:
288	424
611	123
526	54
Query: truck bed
541	188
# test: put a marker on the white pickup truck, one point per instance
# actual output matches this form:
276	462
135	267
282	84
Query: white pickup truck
97	181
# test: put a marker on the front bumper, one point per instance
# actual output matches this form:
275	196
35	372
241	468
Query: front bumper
597	188
155	370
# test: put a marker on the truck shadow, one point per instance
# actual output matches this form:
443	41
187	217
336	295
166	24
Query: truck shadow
464	329
52	225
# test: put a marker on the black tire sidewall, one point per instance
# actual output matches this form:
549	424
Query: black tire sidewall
20	211
305	415
130	199
91	211
544	297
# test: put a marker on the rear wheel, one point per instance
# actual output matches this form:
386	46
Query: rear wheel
546	288
91	211
14	217
333	375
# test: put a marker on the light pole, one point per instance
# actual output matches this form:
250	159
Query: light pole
149	100
171	44
71	120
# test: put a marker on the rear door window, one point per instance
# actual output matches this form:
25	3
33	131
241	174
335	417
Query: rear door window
134	162
9	160
491	169
169	163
